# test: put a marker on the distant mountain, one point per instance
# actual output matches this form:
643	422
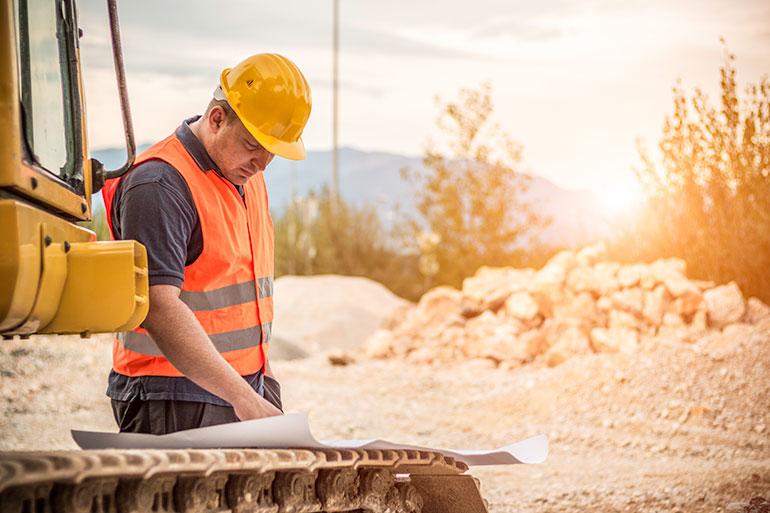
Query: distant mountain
374	178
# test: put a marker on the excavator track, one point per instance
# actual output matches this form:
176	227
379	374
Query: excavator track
236	481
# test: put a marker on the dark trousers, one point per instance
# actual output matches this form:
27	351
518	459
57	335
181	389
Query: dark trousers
160	417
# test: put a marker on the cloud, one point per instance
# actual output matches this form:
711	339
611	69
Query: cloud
369	41
347	85
517	29
191	45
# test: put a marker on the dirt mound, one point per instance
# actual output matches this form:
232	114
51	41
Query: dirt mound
318	313
577	304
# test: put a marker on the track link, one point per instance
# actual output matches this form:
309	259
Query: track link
237	481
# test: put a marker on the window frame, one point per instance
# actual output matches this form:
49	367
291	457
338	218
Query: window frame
71	175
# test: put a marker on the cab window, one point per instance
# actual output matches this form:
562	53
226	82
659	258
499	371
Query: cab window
44	72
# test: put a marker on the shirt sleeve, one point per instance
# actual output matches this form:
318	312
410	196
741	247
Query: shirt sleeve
156	209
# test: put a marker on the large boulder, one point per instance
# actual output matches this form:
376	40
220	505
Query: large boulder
604	304
522	306
504	347
629	300
380	344
600	279
577	308
591	255
698	327
491	286
490	336
555	271
534	341
566	340
687	305
631	275
679	285
547	285
613	340
621	320
725	304
655	305
608	276
438	309
583	279
438	303
422	355
687	296
453	337
756	310
663	270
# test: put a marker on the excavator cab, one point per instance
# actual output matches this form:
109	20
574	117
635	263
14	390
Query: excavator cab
55	278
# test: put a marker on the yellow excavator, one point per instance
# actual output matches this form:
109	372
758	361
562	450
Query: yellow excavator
56	278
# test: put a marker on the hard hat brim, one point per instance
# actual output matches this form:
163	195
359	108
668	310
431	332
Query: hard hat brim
288	150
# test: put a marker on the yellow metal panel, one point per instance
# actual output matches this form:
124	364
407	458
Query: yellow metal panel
14	173
21	243
10	117
19	262
106	288
52	270
141	291
38	184
51	284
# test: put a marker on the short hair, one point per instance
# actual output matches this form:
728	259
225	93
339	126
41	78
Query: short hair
230	114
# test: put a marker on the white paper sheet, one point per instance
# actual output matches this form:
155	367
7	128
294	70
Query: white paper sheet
293	431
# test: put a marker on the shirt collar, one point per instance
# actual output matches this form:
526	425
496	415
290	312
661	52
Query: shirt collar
194	147
197	151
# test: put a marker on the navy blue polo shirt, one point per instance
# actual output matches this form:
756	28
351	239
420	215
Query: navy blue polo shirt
154	206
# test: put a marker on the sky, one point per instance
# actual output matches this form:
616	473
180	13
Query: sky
576	83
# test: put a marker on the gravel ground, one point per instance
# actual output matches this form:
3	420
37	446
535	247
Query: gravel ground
673	430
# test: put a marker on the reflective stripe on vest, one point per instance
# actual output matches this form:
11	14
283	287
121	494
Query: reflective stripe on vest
229	288
227	296
230	341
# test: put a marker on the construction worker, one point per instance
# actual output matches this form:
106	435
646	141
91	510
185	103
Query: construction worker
197	201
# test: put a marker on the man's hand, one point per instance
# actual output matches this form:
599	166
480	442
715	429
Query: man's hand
183	341
255	408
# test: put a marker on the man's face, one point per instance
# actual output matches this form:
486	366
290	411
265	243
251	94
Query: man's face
236	152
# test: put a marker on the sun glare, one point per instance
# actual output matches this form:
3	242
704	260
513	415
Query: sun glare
619	199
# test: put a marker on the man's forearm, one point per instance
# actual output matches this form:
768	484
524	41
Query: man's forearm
183	341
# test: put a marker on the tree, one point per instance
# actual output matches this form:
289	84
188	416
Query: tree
709	198
318	235
470	197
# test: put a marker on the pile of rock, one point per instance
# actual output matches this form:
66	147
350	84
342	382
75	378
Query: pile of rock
578	303
324	312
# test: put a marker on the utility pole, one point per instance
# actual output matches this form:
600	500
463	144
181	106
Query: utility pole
335	106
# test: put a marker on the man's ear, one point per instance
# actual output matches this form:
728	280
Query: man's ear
216	118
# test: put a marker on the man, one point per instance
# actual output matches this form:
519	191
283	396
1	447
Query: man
198	203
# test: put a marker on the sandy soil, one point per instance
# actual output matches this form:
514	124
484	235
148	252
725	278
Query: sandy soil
670	431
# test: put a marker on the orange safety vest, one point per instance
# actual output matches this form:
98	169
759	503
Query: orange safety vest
229	287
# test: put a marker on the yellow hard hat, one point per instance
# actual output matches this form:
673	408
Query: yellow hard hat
272	99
